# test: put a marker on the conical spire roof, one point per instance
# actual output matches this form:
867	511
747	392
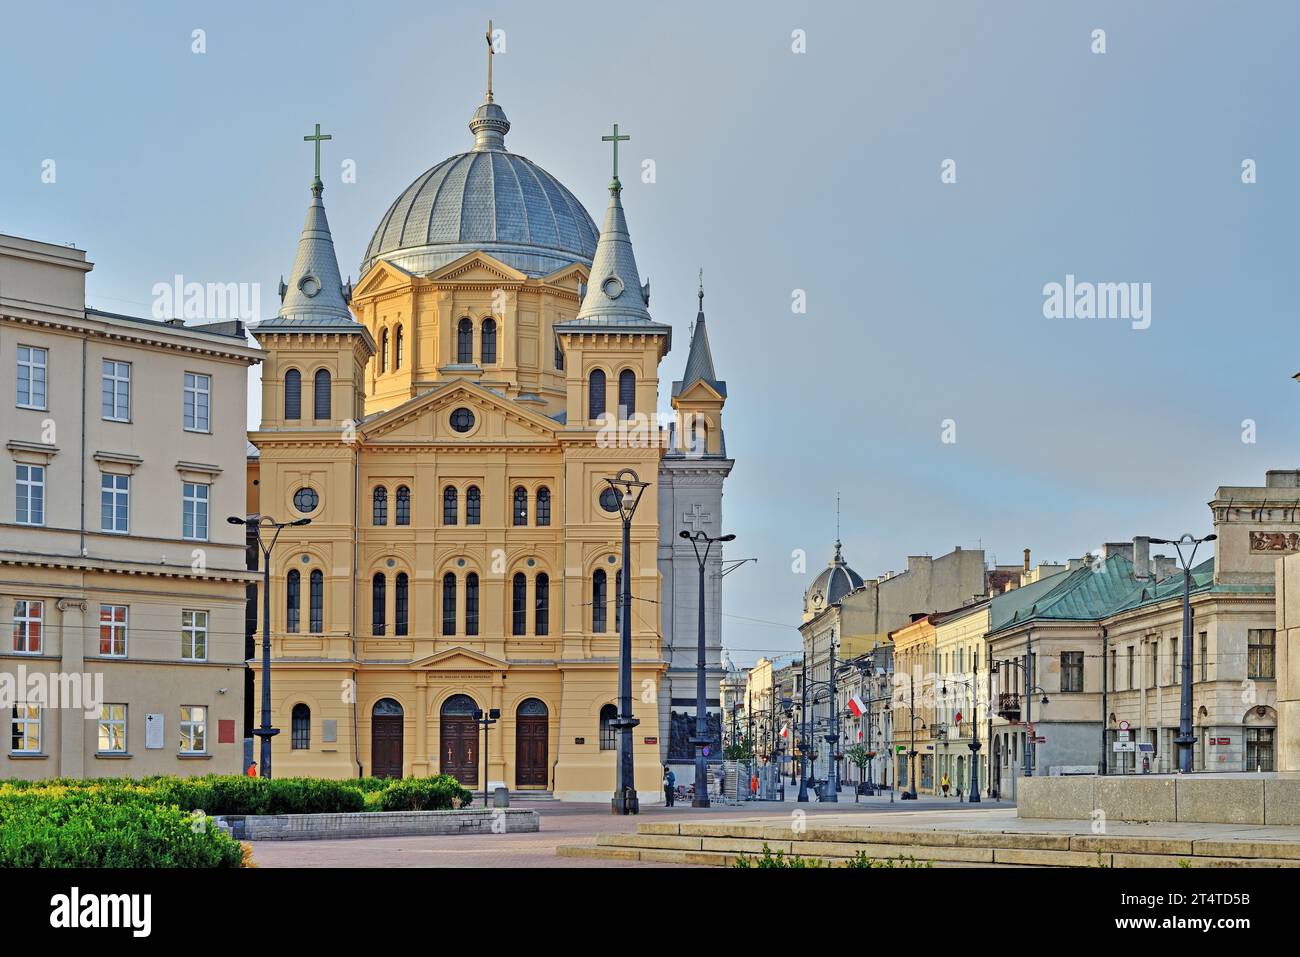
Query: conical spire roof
699	363
315	293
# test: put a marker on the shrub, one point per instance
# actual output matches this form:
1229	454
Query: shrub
438	793
778	859
58	826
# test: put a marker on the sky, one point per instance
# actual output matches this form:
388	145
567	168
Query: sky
923	383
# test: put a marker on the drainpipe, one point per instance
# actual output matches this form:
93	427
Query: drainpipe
1105	671
81	546
356	519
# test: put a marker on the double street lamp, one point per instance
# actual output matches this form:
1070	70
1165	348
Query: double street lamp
974	796
627	488
257	524
1185	738
485	721
701	738
1030	690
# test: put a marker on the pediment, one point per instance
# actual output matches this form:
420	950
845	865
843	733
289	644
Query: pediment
426	419
459	659
569	275
699	391
382	275
477	266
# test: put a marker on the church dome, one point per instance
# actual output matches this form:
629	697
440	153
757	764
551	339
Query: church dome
835	581
486	199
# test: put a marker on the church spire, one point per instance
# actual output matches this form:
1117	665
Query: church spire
615	294
699	362
314	290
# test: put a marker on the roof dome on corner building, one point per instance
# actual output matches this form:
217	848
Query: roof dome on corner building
835	581
486	199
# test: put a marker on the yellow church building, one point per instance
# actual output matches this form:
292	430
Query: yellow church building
448	425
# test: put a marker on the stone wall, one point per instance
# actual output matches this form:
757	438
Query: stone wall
316	827
1196	798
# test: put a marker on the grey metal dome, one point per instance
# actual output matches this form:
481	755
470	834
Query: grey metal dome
488	199
835	581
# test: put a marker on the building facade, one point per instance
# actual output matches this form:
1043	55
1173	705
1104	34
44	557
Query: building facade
122	586
449	425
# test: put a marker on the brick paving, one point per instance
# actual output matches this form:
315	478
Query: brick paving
560	824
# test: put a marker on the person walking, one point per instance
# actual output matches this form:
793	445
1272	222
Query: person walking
670	785
944	783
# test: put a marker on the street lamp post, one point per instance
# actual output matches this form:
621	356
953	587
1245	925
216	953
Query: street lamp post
1026	669
257	523
803	733
831	791
1185	738
702	738
629	489
485	721
910	793
974	796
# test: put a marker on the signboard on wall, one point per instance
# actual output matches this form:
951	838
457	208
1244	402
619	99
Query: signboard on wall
153	731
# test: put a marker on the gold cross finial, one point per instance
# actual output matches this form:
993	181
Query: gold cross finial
318	136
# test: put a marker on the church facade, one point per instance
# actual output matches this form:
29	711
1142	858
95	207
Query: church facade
448	425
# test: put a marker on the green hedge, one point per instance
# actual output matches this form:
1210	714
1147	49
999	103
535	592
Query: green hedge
438	793
59	826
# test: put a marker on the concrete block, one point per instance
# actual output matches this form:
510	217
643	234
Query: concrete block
1066	798
667	842
1219	800
1282	801
1040	842
1049	858
743	845
1283	850
1137	799
659	827
1130	845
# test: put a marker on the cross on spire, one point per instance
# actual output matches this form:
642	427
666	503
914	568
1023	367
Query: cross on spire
317	137
491	53
615	139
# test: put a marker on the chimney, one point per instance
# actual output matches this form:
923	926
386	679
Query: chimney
1141	557
1026	560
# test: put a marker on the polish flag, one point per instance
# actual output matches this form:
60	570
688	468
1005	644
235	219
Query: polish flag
958	717
859	735
785	731
856	706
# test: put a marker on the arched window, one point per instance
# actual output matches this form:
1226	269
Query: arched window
403	516
465	342
699	435
381	505
301	737
542	605
293	599
317	600
608	733
543	506
449	505
473	505
488	348
377	601
383	352
596	394
559	356
599	602
519	605
618	601
449	604
401	605
320	394
293	395
471	604
626	393
520	509
397	349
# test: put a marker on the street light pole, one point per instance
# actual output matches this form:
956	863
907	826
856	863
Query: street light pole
702	738
485	721
629	489
1185	738
257	523
831	791
803	733
910	793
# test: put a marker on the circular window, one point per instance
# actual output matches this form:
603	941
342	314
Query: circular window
462	420
612	287
609	500
309	285
305	500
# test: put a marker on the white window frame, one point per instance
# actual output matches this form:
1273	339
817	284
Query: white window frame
33	366
34	486
119	496
23	621
114	626
194	728
198	386
115	391
191	500
26	716
194	629
108	723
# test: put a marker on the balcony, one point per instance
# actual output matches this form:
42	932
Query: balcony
1008	705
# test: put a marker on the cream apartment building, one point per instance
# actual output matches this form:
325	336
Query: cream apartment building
122	587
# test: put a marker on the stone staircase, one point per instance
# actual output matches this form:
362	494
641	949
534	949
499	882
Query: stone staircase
719	843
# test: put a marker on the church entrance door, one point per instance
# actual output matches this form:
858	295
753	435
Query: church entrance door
531	736
458	753
386	739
